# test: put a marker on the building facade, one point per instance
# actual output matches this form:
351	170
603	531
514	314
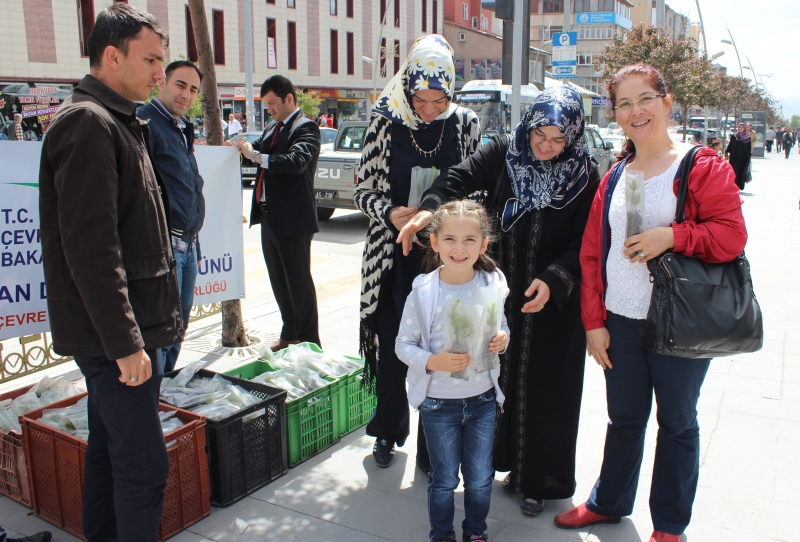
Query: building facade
327	46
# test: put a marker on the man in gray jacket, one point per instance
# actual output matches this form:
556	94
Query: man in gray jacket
112	293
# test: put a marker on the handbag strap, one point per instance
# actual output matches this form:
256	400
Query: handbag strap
683	185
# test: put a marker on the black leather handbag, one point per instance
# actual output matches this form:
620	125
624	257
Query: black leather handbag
700	309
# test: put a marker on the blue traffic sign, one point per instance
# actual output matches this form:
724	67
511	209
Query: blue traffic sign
562	39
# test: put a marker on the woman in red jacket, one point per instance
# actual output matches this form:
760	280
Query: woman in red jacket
615	297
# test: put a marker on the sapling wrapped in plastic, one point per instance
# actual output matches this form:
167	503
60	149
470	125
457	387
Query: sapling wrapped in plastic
634	202
25	403
463	322
491	298
421	179
9	421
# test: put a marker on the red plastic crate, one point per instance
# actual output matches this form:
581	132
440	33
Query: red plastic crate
13	468
56	462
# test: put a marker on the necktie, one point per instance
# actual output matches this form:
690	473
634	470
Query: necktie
260	182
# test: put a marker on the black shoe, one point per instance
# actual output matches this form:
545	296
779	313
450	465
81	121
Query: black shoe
531	507
508	487
383	452
475	537
44	536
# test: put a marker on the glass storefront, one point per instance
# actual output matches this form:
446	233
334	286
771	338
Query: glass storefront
37	102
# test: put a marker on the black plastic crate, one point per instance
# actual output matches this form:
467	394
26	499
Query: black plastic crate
246	450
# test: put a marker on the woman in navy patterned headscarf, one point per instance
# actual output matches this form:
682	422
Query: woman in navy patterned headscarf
414	124
540	182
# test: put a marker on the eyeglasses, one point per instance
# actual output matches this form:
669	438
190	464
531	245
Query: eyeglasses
555	141
643	102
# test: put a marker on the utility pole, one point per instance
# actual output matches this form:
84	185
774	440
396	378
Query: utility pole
516	66
705	52
248	63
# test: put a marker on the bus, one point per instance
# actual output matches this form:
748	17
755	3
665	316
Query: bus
491	101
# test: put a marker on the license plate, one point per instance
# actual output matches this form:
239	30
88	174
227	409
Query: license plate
325	194
249	170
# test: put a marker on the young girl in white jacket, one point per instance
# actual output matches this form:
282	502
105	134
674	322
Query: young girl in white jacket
457	415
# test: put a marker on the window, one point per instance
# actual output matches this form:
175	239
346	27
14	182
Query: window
218	24
334	51
581	6
424	15
85	23
351	53
396	56
607	5
383	57
290	4
333	7
191	46
435	16
553	6
584	59
484	23
350	9
548	32
273	2
465	11
291	46
397	13
383	10
272	43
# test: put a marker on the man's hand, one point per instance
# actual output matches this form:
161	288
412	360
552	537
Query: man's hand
410	229
447	362
542	292
498	343
135	369
399	216
244	147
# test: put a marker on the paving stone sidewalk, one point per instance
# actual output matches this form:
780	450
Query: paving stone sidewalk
749	415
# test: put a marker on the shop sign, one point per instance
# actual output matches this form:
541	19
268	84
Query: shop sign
34	111
601	101
604	17
240	93
333	93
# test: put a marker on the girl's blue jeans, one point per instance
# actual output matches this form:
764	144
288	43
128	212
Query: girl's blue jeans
460	433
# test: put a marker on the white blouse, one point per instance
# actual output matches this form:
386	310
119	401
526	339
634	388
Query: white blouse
629	288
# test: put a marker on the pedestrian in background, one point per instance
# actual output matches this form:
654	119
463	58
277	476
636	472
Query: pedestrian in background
788	142
415	117
770	138
284	205
615	299
14	130
539	181
234	126
753	137
779	139
112	290
330	121
738	153
172	148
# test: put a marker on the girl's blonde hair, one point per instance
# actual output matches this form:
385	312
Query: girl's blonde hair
461	210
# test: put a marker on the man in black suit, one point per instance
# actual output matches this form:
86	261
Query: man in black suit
285	206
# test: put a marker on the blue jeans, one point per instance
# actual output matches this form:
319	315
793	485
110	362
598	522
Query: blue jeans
637	373
186	266
126	466
460	432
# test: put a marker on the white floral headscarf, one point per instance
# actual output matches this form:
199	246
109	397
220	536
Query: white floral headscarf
430	65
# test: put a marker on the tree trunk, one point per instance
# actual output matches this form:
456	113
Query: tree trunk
232	326
685	120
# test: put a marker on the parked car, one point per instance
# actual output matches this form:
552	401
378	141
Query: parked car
337	170
601	150
249	168
617	142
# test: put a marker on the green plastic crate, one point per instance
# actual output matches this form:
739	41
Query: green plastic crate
311	421
356	403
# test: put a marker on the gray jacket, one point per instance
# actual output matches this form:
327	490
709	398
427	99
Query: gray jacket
415	352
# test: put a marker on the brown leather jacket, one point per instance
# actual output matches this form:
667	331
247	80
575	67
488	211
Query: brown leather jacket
111	282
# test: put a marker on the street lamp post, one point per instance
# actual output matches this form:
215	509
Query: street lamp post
733	42
705	52
376	60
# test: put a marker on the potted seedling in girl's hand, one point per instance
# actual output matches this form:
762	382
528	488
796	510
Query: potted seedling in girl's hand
461	332
634	203
491	298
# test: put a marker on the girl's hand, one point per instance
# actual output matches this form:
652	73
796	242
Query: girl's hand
597	342
498	344
412	226
447	362
650	244
399	216
542	292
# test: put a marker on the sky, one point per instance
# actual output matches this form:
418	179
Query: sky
765	31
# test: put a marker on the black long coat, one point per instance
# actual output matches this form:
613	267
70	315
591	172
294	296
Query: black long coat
542	371
739	153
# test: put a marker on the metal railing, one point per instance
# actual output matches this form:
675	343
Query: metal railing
34	353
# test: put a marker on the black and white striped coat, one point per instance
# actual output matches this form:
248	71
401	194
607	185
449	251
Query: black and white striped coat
372	196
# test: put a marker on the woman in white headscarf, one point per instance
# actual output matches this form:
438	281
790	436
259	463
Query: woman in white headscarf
414	124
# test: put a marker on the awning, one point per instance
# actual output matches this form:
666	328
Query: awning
549	82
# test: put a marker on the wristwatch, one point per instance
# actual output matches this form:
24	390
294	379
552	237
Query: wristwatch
254	156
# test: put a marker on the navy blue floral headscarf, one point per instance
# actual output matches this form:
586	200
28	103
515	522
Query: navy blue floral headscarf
541	183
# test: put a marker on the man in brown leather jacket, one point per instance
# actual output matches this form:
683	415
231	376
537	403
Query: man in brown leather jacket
112	292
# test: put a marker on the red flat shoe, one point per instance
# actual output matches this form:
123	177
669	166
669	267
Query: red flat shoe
580	516
659	536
